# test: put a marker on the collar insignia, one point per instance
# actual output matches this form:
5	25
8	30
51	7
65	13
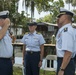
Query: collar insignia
65	29
27	33
38	33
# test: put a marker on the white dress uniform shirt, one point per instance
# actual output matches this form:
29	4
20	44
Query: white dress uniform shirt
65	40
6	49
33	41
75	41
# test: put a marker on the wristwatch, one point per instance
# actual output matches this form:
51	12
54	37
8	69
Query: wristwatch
61	69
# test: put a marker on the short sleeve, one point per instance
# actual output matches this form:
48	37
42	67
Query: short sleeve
41	40
23	39
67	41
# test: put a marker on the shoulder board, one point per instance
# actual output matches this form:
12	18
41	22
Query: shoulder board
27	33
65	29
74	26
38	33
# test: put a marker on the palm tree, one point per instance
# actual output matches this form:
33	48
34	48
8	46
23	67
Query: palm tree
68	2
39	4
72	2
29	3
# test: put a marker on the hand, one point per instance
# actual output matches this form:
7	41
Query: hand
40	64
6	22
61	73
13	61
23	62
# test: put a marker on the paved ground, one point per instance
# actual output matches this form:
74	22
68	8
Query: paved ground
18	52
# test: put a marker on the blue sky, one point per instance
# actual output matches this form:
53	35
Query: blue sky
36	15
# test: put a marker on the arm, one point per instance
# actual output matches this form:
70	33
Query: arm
66	59
24	47
6	24
42	41
23	51
41	52
67	46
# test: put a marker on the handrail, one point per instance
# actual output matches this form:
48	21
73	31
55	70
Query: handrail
23	44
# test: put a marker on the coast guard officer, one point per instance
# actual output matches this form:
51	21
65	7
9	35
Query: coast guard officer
65	43
34	47
6	49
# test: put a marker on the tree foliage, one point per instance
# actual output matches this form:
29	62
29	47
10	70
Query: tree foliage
47	18
73	3
18	20
53	11
41	5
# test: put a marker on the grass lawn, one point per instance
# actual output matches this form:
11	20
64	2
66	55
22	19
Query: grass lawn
18	71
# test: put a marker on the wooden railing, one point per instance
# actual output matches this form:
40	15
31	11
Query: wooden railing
46	52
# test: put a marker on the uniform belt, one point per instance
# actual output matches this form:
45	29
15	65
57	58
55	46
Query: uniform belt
62	58
32	52
5	58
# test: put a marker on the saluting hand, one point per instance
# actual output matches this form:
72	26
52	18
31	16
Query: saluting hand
6	22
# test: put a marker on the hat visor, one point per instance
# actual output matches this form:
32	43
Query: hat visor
58	16
3	16
32	25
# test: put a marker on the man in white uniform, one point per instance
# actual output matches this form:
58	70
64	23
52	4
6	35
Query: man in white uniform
6	49
65	43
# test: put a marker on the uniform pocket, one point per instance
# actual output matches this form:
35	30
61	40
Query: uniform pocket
36	42
59	43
